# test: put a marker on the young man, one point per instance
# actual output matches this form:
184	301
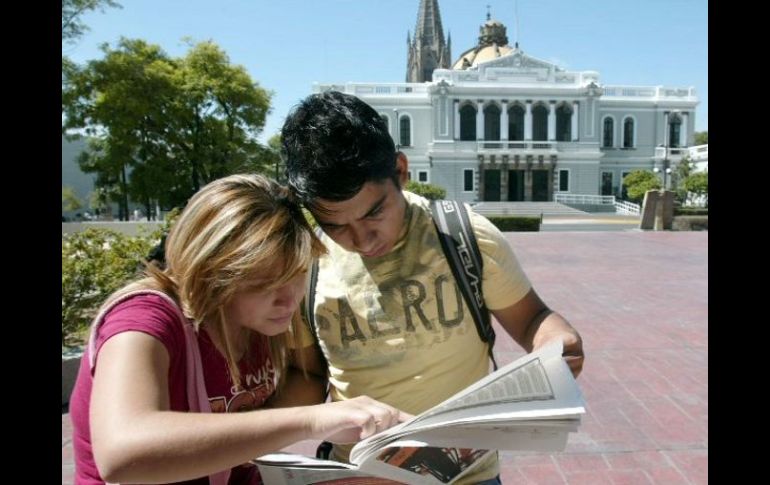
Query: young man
389	317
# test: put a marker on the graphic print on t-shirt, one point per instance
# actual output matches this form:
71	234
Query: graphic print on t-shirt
258	387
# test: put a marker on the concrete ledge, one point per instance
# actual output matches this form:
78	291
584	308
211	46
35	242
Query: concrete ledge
131	228
70	363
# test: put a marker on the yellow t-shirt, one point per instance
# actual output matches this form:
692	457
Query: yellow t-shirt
396	328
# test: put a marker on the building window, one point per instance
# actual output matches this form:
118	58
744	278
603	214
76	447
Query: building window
564	180
422	176
405	131
516	123
386	119
492	122
468	180
468	123
563	123
609	129
606	183
540	123
628	133
674	130
623	188
409	175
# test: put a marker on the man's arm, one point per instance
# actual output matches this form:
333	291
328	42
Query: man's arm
532	324
302	388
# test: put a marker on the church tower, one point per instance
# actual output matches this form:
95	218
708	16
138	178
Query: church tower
427	50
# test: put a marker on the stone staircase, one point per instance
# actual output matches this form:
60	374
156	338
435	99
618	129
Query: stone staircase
524	209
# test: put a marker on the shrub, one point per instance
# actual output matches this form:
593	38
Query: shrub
690	211
690	223
638	183
516	223
95	263
429	191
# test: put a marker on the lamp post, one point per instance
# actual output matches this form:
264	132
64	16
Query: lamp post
666	168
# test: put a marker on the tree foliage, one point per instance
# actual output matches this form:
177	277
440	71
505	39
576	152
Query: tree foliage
701	137
638	182
69	199
162	127
698	184
72	27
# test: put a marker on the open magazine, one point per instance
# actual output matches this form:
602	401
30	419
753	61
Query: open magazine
530	404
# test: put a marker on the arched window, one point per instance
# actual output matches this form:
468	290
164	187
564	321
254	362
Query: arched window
540	123
405	131
386	119
628	133
491	122
609	129
674	130
468	123
516	123
564	123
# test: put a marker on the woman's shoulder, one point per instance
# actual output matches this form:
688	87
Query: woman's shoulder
148	312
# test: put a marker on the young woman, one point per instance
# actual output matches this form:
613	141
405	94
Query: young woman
179	361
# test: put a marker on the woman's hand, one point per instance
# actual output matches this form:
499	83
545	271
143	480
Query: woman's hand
352	420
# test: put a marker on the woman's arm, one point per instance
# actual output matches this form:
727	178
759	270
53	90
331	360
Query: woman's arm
135	438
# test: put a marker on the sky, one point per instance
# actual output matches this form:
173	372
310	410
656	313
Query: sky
288	45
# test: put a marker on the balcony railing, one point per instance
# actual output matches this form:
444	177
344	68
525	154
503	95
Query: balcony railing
491	145
674	153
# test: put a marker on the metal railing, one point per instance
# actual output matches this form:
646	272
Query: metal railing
621	206
625	207
584	199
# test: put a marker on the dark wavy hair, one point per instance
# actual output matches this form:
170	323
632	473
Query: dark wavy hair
334	143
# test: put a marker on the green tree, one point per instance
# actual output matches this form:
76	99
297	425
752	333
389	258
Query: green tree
220	112
69	199
638	182
271	158
122	102
72	26
429	191
701	137
679	175
698	184
163	127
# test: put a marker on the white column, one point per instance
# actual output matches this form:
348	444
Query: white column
575	109
528	122
683	131
457	119
552	122
480	120
504	122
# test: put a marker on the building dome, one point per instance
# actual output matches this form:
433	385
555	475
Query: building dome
493	43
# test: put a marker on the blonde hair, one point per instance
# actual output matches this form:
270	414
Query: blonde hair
233	230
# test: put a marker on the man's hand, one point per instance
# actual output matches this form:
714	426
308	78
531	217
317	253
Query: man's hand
573	345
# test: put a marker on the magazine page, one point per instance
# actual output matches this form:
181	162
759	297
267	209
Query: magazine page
500	436
274	475
536	386
417	463
290	469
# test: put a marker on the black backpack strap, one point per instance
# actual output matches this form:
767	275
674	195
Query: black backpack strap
462	252
310	299
310	317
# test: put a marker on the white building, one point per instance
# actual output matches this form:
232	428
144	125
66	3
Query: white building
503	125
